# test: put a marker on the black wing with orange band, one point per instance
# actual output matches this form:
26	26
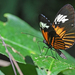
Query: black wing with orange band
57	43
64	26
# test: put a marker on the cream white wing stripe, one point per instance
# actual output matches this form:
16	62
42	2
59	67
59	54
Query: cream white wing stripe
60	18
43	25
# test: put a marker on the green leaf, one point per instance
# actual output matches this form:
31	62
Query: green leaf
67	72
41	71
26	46
1	73
26	69
23	43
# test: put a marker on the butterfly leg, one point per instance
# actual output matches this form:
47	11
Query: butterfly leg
47	50
43	49
39	47
56	54
52	54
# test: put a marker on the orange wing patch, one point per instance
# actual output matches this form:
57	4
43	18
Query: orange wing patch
67	38
59	30
57	43
45	35
52	43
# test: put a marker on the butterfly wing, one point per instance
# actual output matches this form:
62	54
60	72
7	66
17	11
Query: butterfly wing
64	26
45	27
57	43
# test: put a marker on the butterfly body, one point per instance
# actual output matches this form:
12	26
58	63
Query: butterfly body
60	34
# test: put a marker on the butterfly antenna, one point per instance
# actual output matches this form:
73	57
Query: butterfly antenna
31	35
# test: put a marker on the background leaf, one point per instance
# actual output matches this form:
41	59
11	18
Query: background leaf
1	73
25	68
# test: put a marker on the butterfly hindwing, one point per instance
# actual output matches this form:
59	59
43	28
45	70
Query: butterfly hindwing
57	43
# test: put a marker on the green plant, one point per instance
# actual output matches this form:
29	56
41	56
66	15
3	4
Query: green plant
26	46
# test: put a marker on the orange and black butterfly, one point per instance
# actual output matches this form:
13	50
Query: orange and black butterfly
60	34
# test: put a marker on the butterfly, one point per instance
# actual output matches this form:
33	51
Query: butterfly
59	35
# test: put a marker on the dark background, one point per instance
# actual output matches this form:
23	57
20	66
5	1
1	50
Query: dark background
29	10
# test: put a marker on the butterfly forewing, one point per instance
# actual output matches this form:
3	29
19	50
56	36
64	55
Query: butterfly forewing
64	25
65	17
45	35
45	27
